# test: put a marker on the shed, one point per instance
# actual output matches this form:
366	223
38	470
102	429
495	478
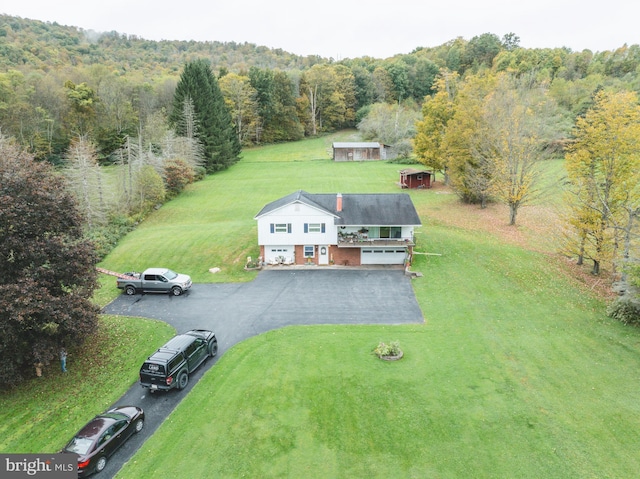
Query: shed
412	178
360	151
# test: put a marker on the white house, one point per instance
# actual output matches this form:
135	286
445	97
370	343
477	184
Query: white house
349	229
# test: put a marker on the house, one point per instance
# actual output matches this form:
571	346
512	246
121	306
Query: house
412	178
345	229
360	151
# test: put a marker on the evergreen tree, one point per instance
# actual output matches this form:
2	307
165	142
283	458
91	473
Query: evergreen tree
199	86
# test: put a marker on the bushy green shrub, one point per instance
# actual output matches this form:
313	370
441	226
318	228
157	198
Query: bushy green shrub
388	349
200	172
626	309
106	237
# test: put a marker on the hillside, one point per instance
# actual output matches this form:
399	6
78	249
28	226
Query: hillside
43	45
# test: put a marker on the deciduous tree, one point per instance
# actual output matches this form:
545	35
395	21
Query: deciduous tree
86	181
511	141
48	274
603	167
431	129
240	98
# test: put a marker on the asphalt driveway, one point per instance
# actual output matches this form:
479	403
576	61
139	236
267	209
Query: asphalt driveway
276	298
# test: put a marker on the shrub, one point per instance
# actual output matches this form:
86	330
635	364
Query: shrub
106	237
150	190
390	349
177	175
625	309
200	172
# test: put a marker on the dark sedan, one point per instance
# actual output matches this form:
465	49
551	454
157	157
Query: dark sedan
102	436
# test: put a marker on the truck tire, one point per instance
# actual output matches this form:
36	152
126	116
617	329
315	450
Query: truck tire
130	290
213	348
183	380
176	291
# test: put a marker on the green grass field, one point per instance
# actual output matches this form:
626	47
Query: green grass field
516	373
41	415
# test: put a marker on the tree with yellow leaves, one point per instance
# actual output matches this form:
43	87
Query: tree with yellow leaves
495	139
469	172
603	169
436	113
512	139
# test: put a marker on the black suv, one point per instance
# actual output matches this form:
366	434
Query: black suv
169	367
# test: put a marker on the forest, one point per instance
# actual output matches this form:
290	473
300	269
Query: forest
59	82
84	100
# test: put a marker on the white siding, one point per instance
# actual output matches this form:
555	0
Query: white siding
296	215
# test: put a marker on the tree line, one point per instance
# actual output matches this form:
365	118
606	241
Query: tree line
57	83
489	132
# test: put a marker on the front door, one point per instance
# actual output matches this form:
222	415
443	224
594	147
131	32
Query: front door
323	255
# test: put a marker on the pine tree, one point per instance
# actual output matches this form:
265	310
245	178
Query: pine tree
215	127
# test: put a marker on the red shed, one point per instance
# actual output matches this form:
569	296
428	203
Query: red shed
411	178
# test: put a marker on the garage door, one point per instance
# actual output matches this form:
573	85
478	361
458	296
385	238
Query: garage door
272	253
382	255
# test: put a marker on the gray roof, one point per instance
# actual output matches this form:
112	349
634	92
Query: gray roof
376	209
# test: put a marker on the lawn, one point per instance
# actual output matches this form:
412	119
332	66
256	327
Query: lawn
43	413
516	372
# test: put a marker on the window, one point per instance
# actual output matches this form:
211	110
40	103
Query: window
192	347
153	368
314	227
281	227
175	362
309	251
390	232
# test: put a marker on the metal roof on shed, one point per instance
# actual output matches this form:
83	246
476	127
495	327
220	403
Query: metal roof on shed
361	144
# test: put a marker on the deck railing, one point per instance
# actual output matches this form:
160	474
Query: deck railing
363	242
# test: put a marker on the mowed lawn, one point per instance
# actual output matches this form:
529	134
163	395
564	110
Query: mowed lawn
517	371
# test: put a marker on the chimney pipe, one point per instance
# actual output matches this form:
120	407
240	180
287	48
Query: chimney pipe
339	202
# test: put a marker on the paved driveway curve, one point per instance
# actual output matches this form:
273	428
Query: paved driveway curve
276	298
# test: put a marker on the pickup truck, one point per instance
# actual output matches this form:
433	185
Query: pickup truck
169	367
154	280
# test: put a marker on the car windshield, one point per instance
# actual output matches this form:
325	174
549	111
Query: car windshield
79	445
170	275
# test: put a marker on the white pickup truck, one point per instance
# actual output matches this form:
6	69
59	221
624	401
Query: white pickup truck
154	280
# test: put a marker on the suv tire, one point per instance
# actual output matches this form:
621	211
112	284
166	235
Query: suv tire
176	291
183	380
213	348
